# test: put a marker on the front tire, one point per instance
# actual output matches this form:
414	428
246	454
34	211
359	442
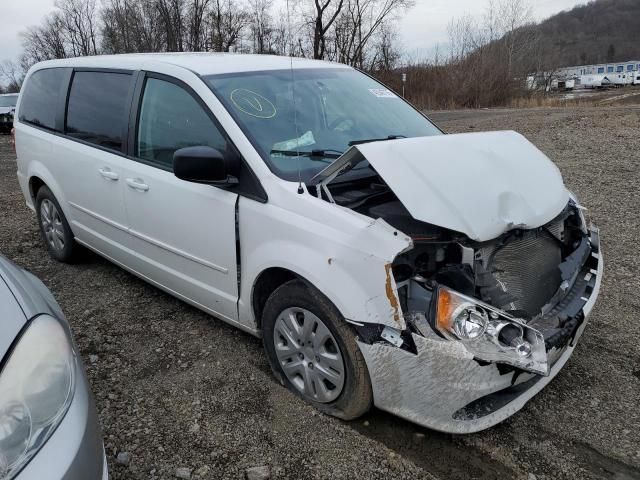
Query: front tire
54	228
313	351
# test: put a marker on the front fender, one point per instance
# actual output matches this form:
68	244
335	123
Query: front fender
349	264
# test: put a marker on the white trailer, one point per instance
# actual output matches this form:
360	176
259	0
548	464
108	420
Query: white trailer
623	78
595	81
636	77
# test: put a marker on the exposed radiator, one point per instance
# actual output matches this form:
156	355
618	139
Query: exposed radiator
524	272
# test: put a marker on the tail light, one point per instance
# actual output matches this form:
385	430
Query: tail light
13	140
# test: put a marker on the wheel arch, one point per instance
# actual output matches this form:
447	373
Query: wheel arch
35	183
39	176
265	284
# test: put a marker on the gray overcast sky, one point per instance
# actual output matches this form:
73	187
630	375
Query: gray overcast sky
421	29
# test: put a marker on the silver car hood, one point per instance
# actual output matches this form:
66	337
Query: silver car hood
479	184
22	297
12	318
6	110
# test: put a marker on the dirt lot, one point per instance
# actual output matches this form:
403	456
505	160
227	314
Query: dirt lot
176	388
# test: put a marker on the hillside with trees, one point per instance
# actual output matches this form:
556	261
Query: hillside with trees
490	56
598	32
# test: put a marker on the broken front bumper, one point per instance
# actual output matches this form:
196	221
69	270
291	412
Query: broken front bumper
443	387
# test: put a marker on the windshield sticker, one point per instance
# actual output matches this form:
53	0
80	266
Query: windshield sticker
291	145
382	92
252	103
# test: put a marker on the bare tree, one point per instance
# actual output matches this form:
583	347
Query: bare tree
227	22
359	22
326	13
386	55
71	30
464	37
172	19
44	42
79	28
12	75
118	18
514	15
281	42
260	26
196	25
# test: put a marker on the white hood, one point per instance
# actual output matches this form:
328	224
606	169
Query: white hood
480	184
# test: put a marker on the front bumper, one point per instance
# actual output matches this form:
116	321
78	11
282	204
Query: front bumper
74	451
444	388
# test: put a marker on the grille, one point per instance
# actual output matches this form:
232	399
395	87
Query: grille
526	272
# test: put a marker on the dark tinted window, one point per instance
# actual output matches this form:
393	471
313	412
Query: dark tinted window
40	98
170	119
98	110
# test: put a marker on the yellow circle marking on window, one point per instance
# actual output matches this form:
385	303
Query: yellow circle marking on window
252	103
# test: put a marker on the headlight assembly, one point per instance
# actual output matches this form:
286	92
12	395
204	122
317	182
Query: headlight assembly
36	389
582	212
489	334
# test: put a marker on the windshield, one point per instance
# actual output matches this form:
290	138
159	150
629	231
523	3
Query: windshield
8	100
334	107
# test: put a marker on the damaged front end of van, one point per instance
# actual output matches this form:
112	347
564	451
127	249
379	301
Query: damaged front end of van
494	291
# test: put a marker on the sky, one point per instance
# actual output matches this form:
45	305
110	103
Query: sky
421	29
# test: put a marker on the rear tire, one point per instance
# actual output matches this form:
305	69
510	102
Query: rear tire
319	352
54	228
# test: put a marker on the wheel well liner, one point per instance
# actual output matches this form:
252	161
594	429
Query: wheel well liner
265	285
35	183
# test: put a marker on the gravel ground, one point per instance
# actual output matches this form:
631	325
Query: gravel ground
182	394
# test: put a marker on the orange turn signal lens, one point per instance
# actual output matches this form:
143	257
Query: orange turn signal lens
446	306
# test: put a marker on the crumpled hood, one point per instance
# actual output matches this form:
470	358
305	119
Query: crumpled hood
480	184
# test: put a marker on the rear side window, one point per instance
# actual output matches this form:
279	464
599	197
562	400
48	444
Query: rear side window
98	108
41	97
170	119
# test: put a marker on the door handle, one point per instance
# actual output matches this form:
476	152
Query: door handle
106	172
137	184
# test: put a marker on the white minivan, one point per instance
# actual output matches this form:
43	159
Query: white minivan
444	278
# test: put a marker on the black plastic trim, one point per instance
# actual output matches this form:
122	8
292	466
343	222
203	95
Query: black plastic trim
489	404
63	96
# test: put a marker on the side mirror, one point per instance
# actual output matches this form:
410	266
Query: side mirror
204	165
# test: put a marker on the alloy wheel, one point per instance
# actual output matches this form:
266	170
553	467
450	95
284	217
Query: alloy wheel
52	224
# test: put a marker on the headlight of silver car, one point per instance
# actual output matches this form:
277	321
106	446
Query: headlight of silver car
36	389
488	333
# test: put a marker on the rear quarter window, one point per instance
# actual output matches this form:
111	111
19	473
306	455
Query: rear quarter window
98	111
41	97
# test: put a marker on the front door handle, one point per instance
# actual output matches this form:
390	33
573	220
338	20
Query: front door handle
137	184
106	172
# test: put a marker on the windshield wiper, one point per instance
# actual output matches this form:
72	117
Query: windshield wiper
312	154
368	140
